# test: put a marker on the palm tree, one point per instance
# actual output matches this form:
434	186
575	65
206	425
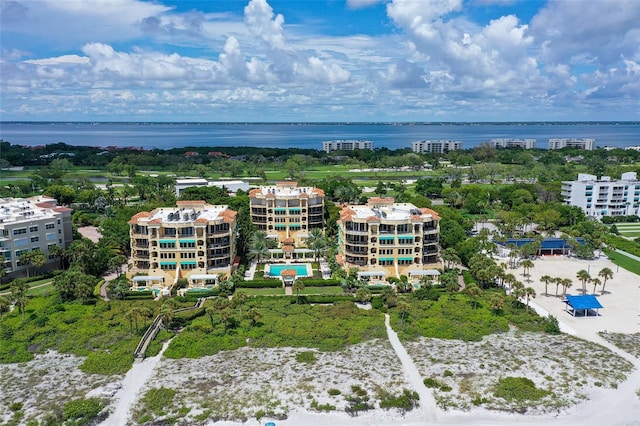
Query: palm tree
363	295
298	286
566	284
510	279
238	299
596	282
558	283
19	295
527	264
4	305
254	315
546	279
59	252
518	290
605	274
450	257
132	315
404	309
258	247
317	243
166	314
475	292
496	303
583	276
529	292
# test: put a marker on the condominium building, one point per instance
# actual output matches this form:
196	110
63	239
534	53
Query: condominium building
193	240
604	197
513	143
584	143
384	238
285	211
346	145
28	224
436	146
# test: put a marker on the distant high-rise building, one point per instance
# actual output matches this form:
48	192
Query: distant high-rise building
514	143
435	146
604	197
584	143
346	145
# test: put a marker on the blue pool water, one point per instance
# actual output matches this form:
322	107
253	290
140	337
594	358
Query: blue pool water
276	270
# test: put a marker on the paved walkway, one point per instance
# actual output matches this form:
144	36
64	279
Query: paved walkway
629	255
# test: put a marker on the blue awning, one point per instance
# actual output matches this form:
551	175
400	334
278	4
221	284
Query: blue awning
587	301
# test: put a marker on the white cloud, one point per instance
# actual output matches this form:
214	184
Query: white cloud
64	59
262	22
359	4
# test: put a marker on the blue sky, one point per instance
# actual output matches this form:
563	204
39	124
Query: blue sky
304	60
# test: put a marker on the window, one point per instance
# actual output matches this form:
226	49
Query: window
52	237
50	226
35	239
33	228
167	245
191	244
167	255
187	255
20	242
19	231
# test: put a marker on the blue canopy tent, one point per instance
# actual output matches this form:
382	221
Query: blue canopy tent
582	304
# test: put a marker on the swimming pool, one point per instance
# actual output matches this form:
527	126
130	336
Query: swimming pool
302	269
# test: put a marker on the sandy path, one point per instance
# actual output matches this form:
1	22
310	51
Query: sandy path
131	385
428	409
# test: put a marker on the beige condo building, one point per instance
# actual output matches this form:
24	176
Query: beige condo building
287	212
387	239
193	240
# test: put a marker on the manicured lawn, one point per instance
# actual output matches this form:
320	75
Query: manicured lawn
623	261
41	291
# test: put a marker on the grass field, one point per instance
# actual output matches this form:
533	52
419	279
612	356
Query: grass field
629	229
321	290
623	261
264	291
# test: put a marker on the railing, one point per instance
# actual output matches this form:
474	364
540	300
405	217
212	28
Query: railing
155	327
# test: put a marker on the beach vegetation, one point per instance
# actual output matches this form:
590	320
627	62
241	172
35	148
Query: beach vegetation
306	357
327	327
518	389
334	392
81	411
406	401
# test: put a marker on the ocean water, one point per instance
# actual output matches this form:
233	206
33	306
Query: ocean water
307	135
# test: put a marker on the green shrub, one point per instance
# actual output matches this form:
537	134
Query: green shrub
334	392
314	282
81	411
406	401
447	373
430	382
307	357
267	283
15	406
518	389
322	407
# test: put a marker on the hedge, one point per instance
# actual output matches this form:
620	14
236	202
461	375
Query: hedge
322	298
145	294
319	282
259	284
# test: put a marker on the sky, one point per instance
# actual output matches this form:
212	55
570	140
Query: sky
320	61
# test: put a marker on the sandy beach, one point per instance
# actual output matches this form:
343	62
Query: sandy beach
591	381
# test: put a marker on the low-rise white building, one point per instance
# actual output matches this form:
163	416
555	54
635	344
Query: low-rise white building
230	185
435	146
346	145
604	197
28	224
584	143
513	143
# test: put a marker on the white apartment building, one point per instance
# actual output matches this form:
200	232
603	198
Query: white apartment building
28	224
584	143
384	239
513	143
346	145
193	240
435	146
604	197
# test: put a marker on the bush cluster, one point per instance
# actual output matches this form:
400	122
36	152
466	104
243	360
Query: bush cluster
314	282
268	283
518	389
